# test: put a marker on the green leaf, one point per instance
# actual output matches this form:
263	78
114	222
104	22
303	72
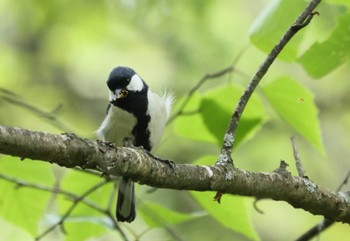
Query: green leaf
322	58
273	23
295	104
20	205
192	126
156	215
78	182
216	107
83	215
232	212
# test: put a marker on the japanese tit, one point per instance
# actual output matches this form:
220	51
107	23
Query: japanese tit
135	113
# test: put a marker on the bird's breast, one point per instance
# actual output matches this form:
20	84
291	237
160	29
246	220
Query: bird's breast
117	125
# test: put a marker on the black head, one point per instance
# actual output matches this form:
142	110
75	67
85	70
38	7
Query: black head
123	81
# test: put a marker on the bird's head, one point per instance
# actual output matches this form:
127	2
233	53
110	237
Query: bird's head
123	82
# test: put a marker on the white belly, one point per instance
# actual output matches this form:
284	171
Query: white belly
117	125
157	111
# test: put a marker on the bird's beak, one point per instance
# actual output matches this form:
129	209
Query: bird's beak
120	94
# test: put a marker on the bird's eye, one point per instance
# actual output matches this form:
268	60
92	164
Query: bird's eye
126	81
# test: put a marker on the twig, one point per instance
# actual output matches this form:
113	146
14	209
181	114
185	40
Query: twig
22	183
255	205
112	196
175	235
15	99
196	87
68	212
325	223
69	195
205	78
88	171
282	169
306	22
116	225
345	181
298	162
316	230
303	20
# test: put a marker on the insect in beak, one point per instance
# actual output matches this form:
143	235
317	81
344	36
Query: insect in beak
121	94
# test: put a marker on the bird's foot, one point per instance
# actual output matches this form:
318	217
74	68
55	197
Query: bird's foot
170	163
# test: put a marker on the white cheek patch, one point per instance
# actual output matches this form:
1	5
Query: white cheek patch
111	96
135	84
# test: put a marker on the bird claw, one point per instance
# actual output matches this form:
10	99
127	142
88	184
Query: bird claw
127	141
170	163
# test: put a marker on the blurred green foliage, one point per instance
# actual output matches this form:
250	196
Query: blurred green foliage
328	55
56	56
296	106
212	111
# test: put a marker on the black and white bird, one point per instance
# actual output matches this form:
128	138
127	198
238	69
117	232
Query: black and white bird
134	113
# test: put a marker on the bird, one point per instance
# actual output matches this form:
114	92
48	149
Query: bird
135	114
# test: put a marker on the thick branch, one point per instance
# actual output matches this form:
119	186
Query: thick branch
326	222
69	151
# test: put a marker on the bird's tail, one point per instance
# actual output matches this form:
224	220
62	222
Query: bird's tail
125	211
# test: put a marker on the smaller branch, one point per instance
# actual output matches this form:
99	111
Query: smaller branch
205	78
326	222
22	183
196	87
302	20
16	100
297	27
298	162
345	181
69	195
282	169
89	171
116	225
255	205
175	235
316	230
68	212
112	196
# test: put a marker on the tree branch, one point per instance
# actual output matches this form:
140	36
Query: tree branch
205	78
325	223
298	163
303	20
71	196
76	201
69	150
16	100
